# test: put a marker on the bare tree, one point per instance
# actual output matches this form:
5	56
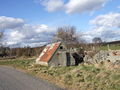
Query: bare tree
97	40
66	34
1	36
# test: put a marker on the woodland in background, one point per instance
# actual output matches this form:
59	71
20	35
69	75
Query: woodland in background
35	51
20	52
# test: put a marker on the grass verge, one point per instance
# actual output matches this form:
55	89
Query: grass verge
82	77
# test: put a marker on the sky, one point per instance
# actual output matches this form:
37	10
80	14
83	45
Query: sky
34	22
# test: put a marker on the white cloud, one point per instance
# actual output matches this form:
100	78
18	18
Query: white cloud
41	28
108	20
73	6
105	34
53	5
111	35
105	26
30	35
80	6
18	33
9	22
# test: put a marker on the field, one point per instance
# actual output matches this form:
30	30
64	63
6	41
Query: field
82	77
112	47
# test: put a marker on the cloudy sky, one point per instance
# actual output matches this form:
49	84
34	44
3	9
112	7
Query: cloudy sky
33	22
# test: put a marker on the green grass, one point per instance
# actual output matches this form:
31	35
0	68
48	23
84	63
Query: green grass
17	63
83	77
112	47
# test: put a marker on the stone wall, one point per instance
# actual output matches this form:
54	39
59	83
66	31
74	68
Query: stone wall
112	55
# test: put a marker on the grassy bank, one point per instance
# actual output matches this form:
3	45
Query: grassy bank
17	63
83	77
112	47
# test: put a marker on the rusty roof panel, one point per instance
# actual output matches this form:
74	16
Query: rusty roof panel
48	52
116	53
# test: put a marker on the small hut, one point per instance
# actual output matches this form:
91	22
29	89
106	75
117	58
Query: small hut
55	54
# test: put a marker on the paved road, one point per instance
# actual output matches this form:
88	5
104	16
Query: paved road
11	79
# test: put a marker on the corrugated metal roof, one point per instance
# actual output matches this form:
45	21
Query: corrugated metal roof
48	52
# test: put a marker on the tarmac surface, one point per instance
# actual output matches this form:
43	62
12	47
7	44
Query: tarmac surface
12	79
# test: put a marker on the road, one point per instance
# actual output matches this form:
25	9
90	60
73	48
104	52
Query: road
12	79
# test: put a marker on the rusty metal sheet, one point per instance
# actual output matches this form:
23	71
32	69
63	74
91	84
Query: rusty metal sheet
116	53
48	52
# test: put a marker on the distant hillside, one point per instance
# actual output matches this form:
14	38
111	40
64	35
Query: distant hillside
113	42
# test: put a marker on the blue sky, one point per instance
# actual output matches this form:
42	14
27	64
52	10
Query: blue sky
42	17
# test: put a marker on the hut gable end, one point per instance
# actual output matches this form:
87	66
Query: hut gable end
55	54
48	52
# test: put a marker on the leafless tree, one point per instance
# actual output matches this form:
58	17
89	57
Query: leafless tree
1	36
97	40
66	34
